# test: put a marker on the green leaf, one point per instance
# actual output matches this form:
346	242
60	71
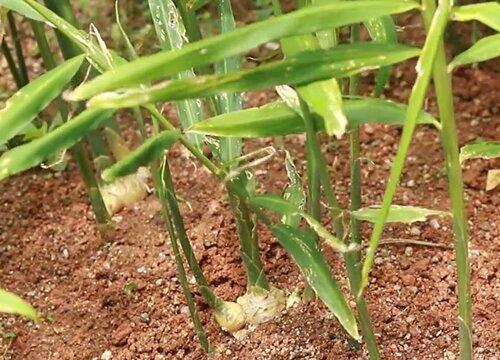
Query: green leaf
305	67
22	8
488	13
172	35
286	208
25	104
382	30
277	119
324	97
485	49
32	154
151	150
275	203
294	193
211	50
13	304
397	214
302	247
482	150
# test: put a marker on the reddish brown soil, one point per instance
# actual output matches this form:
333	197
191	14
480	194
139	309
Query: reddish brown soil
51	255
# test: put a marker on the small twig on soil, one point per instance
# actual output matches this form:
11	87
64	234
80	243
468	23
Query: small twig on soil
414	242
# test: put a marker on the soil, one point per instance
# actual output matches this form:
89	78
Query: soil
52	255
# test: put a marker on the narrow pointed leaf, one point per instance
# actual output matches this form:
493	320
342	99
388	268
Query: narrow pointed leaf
482	150
22	8
485	49
302	247
488	13
303	68
211	50
151	150
398	214
278	119
13	304
382	30
25	104
32	154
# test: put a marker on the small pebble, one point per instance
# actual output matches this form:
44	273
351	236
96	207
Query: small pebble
434	224
409	251
485	226
145	317
410	183
107	355
378	260
141	270
415	231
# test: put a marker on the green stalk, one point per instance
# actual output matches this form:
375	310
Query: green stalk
444	94
322	171
352	259
163	195
190	21
160	183
23	71
63	8
417	98
231	149
95	197
317	170
11	64
184	241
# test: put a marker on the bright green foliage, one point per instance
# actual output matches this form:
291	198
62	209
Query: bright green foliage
32	154
22	8
488	13
398	214
278	119
303	68
482	150
324	97
25	105
307	20
301	245
485	49
151	150
13	304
